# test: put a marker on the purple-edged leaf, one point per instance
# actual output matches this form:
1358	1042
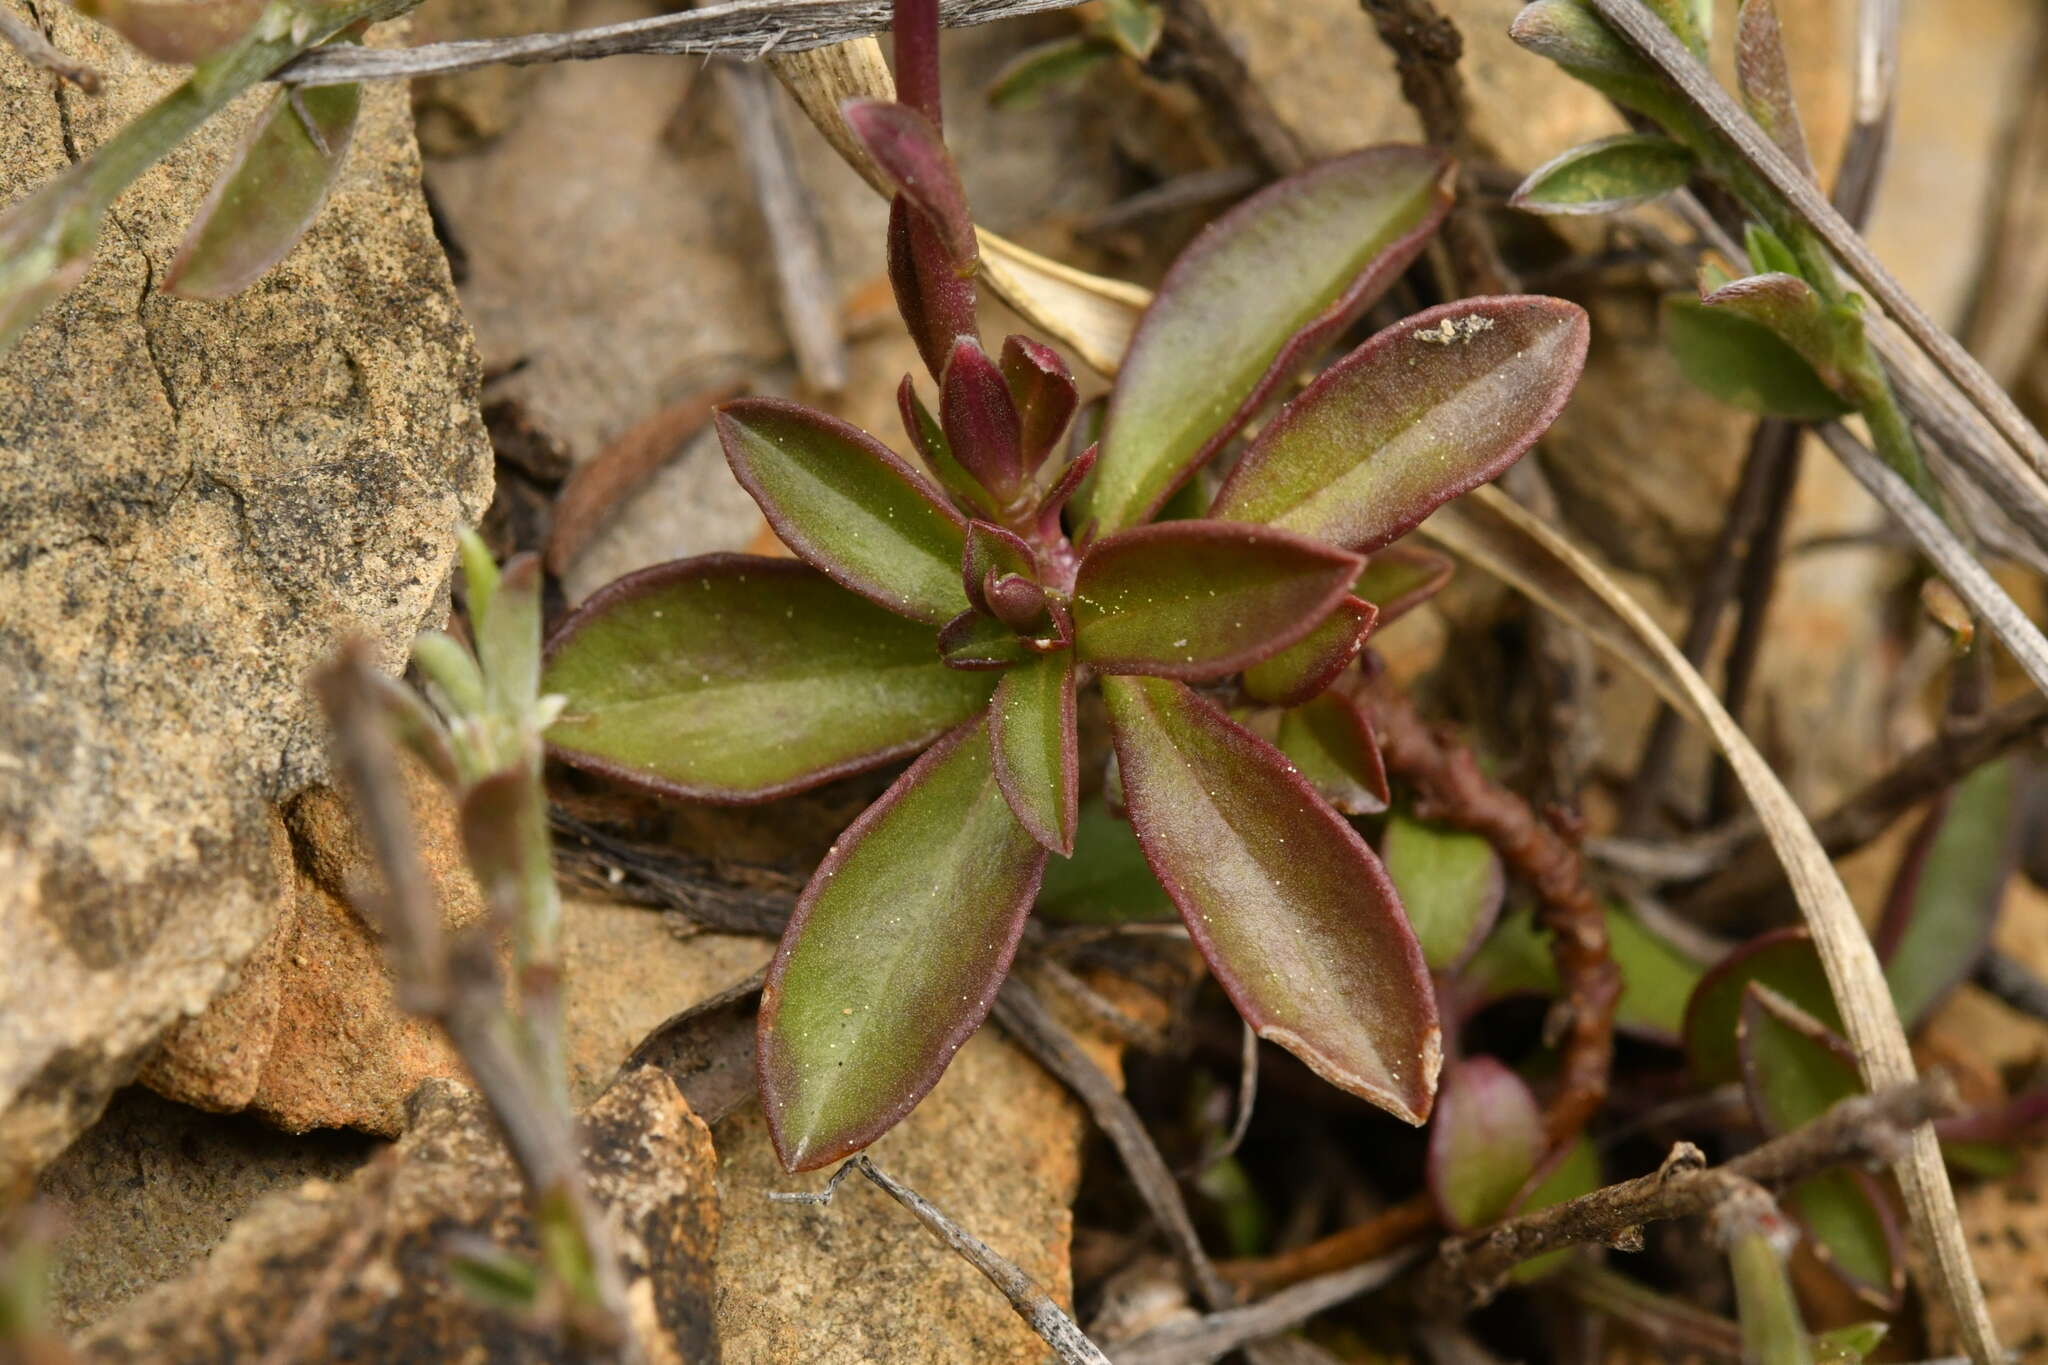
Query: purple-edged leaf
1018	602
1451	885
1484	1142
1062	492
1783	960
1032	730
1293	912
1430	408
894	953
1765	80
731	678
1601	177
937	305
980	420
1329	739
1945	899
1830	341
269	194
928	438
978	642
176	31
849	505
1569	33
1309	665
1246	305
1400	578
1794	1069
911	153
1745	364
991	551
1043	389
1196	599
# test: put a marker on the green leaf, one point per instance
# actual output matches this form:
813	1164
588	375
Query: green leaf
1199	599
1245	306
1134	25
496	1277
730	678
1037	758
1849	1218
1293	912
1849	1345
978	642
1400	578
1431	407
1945	901
1773	1333
894	954
1828	339
508	640
1329	739
1107	881
1745	364
911	153
46	246
1032	74
269	194
1484	1142
1783	960
1514	960
1656	978
1767	252
1309	665
1600	177
176	31
1450	882
848	505
1578	40
1765	81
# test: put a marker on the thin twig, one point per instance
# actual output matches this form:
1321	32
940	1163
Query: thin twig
1205	1339
1864	1129
37	50
745	28
2013	982
1647	33
1024	1016
1870	127
1450	787
1386	1231
1032	1303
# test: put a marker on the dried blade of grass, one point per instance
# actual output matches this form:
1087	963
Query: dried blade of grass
1208	1338
1492	532
1094	316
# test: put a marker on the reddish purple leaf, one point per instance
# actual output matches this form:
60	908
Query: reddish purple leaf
929	440
1043	389
1031	729
176	31
1764	79
991	550
1293	912
1400	578
978	642
937	305
269	194
908	148
1484	1142
1332	743
1197	599
981	422
849	505
1246	305
1312	663
1018	602
1793	311
894	954
1430	408
1062	492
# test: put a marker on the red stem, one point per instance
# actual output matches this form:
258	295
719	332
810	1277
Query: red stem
916	35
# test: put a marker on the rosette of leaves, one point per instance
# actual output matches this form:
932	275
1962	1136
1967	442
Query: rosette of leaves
952	604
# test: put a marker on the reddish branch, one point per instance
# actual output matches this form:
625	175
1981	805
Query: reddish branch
1390	1230
1449	787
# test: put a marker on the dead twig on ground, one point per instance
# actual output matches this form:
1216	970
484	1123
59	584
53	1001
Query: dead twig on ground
30	41
1206	1338
1378	1236
1865	1129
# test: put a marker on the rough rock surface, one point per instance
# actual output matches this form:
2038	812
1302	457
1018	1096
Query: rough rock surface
310	1036
650	1165
197	500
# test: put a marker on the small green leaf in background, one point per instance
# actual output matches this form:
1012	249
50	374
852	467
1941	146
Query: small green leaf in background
1945	898
894	954
1484	1142
1294	914
1328	739
1107	881
269	194
1773	1333
1308	666
1200	599
1034	73
1400	578
1031	732
1245	305
1600	177
493	1276
1430	408
848	505
1768	254
1656	978
1451	885
1783	960
1828	339
1134	25
672	677
1745	364
1854	1232
1849	1345
46	245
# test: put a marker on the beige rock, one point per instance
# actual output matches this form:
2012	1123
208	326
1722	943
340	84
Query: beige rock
197	501
650	1166
457	112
